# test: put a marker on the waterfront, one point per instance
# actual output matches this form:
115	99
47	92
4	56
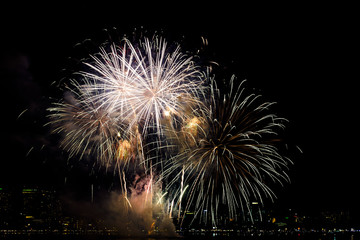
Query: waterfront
188	235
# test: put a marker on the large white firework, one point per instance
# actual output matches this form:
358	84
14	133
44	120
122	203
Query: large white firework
142	83
125	90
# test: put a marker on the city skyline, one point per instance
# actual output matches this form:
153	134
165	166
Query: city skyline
31	208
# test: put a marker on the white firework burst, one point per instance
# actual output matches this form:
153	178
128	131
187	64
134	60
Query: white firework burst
228	153
87	129
144	83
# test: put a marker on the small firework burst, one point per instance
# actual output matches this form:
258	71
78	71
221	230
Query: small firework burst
86	128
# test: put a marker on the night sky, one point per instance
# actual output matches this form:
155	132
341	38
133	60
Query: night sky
301	57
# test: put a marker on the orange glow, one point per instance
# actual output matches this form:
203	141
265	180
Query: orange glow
192	126
152	228
123	149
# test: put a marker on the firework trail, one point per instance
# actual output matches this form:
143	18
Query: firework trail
228	152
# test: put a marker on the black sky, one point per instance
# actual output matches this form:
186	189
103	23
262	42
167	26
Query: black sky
302	57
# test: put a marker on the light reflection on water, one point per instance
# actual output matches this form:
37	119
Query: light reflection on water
211	236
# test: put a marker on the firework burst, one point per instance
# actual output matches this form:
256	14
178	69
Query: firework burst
144	83
87	129
126	90
228	153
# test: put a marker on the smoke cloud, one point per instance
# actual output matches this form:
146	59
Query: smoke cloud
137	215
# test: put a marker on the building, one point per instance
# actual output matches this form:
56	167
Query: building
5	208
40	209
29	208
